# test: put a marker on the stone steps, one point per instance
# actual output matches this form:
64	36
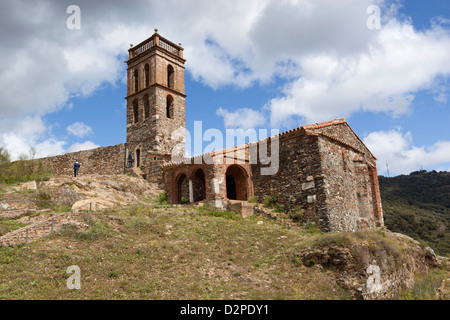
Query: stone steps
244	208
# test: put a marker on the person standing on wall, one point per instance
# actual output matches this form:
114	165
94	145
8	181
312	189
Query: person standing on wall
76	167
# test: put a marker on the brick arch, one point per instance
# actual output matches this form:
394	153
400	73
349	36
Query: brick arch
237	183
198	177
181	187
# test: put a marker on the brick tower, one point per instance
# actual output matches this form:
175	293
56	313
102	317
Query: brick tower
155	104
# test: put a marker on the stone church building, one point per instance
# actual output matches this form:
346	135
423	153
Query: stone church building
323	168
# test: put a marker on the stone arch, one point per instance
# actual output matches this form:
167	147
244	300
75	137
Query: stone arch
237	183
199	184
181	188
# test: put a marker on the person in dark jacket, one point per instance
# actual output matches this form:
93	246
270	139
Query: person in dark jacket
130	160
76	167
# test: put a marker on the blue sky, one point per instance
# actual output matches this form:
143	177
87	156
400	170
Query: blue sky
250	64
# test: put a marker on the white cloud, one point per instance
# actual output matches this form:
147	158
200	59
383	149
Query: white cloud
396	149
332	63
79	129
243	118
87	145
401	61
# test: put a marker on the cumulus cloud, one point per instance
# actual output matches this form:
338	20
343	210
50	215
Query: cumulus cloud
79	129
87	145
332	65
401	61
395	150
243	118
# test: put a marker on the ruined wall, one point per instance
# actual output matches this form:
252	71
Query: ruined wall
103	160
151	166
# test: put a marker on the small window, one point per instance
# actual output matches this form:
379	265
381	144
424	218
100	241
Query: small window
169	107
135	111
138	158
170	77
136	80
146	107
147	75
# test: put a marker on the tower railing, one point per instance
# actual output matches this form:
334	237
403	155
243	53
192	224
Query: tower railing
154	41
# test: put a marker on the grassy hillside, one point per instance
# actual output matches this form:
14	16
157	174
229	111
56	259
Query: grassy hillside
418	205
163	252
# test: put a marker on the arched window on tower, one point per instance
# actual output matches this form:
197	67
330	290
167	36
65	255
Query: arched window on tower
146	107
135	111
136	80
170	77
147	75
169	107
138	158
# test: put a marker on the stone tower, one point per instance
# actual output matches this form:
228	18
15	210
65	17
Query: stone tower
155	104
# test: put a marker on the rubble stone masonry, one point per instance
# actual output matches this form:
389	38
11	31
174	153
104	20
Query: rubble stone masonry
103	160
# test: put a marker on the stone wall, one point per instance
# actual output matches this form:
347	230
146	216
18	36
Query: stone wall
353	201
324	170
103	160
298	180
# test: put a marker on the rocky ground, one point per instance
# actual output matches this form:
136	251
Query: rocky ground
104	191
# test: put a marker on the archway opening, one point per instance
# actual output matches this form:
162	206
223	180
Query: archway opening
237	183
182	191
231	188
199	185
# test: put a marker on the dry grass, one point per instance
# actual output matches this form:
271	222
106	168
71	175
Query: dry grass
164	252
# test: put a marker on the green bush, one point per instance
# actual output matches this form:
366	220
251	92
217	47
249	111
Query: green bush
210	211
297	214
162	198
270	201
184	200
22	170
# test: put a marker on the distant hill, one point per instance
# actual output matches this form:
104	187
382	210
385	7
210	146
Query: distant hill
418	205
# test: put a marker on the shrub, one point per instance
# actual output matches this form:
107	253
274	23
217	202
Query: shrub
297	214
162	198
252	199
210	211
270	201
22	170
184	200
